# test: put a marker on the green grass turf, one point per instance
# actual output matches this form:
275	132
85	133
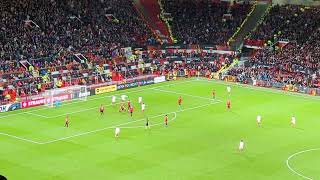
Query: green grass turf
200	143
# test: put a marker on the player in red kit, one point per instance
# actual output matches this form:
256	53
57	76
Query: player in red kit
101	109
166	120
213	94
129	104
67	121
180	103
228	104
131	110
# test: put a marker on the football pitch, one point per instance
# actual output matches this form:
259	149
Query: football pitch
200	142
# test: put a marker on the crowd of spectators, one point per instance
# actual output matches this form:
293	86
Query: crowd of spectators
298	62
33	29
295	64
47	34
205	22
65	71
39	42
291	22
173	63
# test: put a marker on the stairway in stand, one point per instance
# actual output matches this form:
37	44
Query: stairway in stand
252	21
150	10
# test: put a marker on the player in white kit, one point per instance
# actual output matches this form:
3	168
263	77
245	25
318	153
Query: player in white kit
123	97
113	100
229	90
293	121
258	120
117	132
241	146
140	100
143	107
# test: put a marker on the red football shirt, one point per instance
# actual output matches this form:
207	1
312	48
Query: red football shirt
179	100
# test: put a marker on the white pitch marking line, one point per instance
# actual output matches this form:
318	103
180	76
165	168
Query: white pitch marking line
295	154
82	110
98	130
46	108
39	115
119	125
89	132
263	89
215	102
151	125
172	92
20	138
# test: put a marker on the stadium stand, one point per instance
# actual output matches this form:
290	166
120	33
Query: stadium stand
298	62
189	64
292	22
45	45
205	22
41	37
40	29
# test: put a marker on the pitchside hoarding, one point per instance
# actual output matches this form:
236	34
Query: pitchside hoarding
10	107
42	101
109	88
105	89
159	79
135	84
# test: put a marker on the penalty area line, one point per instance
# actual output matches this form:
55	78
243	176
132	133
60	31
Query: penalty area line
20	138
151	88
98	130
60	139
151	125
110	127
126	91
126	123
39	115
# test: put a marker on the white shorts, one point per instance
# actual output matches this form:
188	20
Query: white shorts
241	147
228	89
117	131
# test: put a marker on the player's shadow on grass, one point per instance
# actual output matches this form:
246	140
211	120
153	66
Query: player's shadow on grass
299	129
245	155
234	113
